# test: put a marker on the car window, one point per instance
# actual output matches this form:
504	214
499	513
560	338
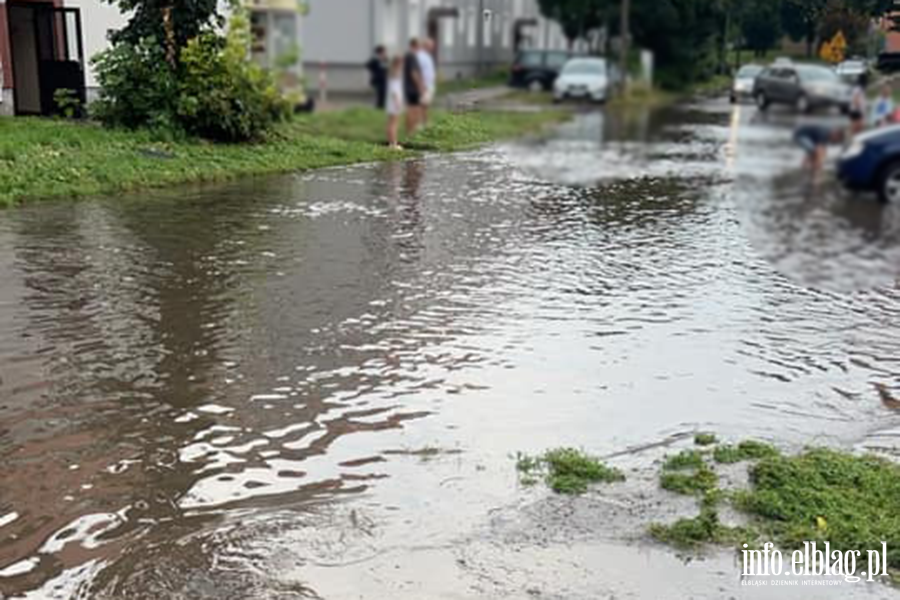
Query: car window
556	60
748	71
585	67
787	74
530	59
816	73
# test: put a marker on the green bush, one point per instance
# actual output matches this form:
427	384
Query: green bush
224	96
215	91
138	88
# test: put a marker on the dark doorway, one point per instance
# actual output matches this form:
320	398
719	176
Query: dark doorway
434	26
47	55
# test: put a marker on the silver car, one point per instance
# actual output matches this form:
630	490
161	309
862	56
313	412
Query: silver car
742	87
586	78
851	70
805	87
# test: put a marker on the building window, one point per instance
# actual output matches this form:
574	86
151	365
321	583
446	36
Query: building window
448	32
473	27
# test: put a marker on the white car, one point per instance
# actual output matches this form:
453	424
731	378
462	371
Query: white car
742	87
586	78
851	70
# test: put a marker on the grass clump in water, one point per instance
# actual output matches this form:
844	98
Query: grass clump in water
700	481
687	459
566	470
746	450
852	502
705	439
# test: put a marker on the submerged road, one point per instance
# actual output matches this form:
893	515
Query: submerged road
311	386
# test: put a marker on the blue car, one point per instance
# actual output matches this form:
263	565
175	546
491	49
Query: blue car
872	163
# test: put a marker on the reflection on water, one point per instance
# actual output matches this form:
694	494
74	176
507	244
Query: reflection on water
192	381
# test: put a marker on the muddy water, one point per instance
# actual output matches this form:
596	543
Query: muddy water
311	385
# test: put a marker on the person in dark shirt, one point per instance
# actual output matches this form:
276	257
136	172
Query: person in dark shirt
378	72
413	87
814	139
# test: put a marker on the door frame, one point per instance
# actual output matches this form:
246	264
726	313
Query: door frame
57	36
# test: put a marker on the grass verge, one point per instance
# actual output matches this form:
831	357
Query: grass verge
566	470
43	158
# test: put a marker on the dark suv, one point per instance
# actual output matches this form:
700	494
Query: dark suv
803	86
537	69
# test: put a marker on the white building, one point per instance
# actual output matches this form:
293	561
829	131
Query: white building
339	35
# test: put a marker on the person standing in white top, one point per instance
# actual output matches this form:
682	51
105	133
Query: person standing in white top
429	76
394	104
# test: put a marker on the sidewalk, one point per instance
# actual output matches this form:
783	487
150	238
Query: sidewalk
465	100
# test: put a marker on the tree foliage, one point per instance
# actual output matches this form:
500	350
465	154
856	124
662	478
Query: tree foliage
213	90
186	18
577	18
760	25
681	33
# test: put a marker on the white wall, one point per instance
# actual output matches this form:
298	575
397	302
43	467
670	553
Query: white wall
97	19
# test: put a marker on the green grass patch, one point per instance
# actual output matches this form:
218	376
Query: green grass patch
496	78
705	528
852	502
701	480
705	439
686	459
43	158
566	470
746	450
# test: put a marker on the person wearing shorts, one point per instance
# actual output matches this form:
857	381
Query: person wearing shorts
413	87
814	140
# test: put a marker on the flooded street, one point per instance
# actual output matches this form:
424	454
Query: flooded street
312	386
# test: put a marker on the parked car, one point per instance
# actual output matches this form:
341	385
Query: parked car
851	70
537	69
872	163
582	78
805	87
743	82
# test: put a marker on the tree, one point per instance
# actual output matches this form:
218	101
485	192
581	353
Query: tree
801	19
577	18
840	17
170	22
760	25
682	35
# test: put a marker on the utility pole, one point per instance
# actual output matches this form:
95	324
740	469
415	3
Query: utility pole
624	45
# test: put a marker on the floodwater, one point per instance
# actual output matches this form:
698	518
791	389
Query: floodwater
311	386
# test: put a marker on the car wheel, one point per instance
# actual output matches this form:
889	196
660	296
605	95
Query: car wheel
761	101
535	86
802	104
889	183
